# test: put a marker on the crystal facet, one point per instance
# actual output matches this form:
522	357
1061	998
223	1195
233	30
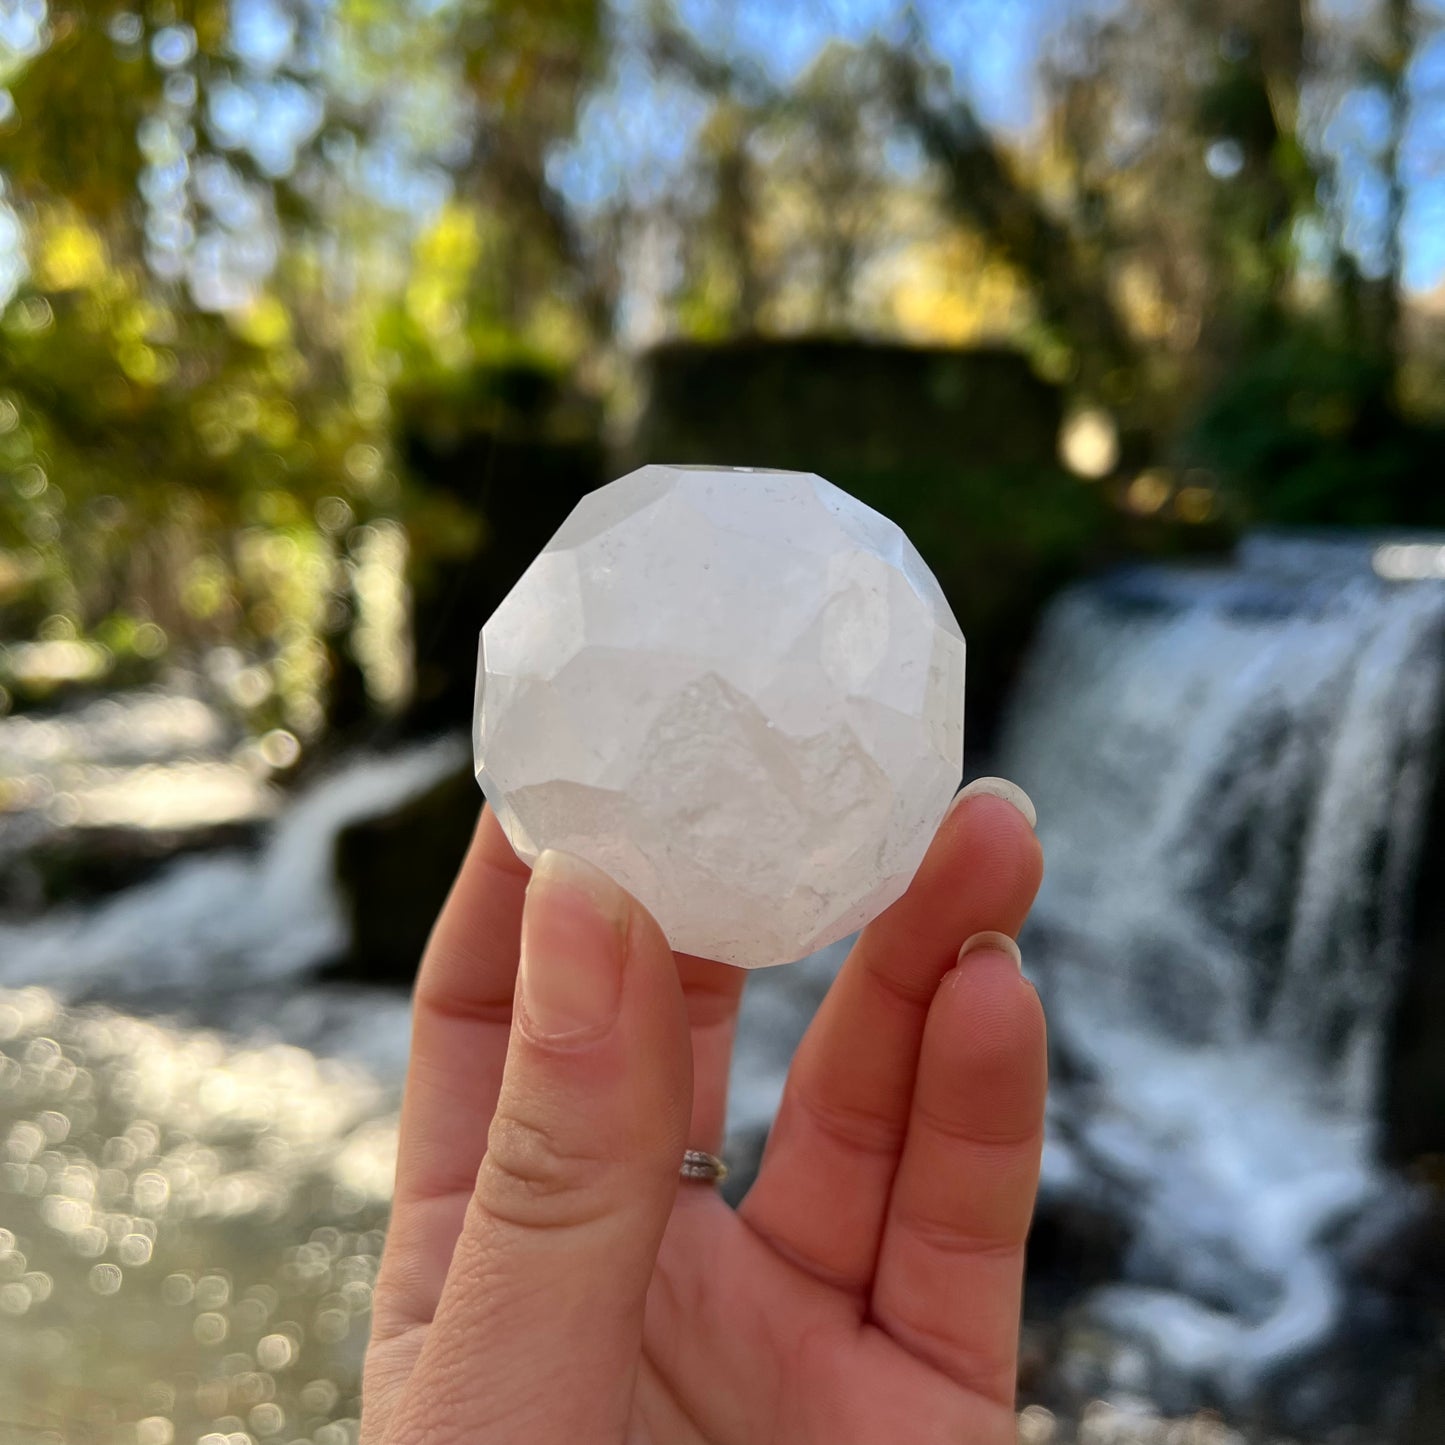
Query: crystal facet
737	691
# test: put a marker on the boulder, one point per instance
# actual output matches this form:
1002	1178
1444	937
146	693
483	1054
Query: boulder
82	865
1413	1102
394	871
498	465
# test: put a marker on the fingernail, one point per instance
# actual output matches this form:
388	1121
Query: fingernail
573	947
996	942
1001	788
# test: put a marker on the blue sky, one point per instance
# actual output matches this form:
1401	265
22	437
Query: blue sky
991	44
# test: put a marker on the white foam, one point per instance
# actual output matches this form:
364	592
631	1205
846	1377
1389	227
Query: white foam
232	917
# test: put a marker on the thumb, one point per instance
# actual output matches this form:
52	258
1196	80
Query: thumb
539	1327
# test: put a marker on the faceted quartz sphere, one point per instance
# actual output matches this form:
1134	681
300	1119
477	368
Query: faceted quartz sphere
739	693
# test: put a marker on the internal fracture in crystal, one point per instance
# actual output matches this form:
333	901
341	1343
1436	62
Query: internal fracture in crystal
737	691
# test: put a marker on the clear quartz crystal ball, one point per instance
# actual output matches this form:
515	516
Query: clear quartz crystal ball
738	692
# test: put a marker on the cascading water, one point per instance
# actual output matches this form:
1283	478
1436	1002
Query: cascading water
1232	770
232	937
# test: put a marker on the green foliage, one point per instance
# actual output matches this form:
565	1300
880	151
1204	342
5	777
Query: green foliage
191	451
154	456
1308	432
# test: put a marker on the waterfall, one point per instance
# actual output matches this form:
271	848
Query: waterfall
1232	768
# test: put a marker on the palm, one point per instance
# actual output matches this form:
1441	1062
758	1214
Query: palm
763	1351
868	1287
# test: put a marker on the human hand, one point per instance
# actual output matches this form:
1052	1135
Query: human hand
548	1280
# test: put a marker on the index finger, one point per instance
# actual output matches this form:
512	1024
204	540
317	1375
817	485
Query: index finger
461	1019
462	1011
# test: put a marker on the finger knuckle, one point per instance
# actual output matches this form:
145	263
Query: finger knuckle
856	1126
994	1235
532	1177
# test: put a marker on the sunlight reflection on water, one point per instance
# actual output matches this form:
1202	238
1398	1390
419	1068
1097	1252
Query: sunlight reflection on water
189	1230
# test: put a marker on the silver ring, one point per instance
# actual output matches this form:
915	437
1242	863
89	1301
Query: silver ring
703	1167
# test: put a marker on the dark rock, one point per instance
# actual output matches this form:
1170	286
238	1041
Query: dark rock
510	454
1397	1249
394	872
817	402
1425	1421
1074	1246
1413	1122
82	865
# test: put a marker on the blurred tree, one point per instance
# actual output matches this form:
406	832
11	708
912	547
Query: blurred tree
1387	54
801	190
527	67
725	148
1175	159
1192	148
217	204
816	209
983	187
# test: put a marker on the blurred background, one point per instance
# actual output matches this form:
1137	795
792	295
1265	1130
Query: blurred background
317	316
